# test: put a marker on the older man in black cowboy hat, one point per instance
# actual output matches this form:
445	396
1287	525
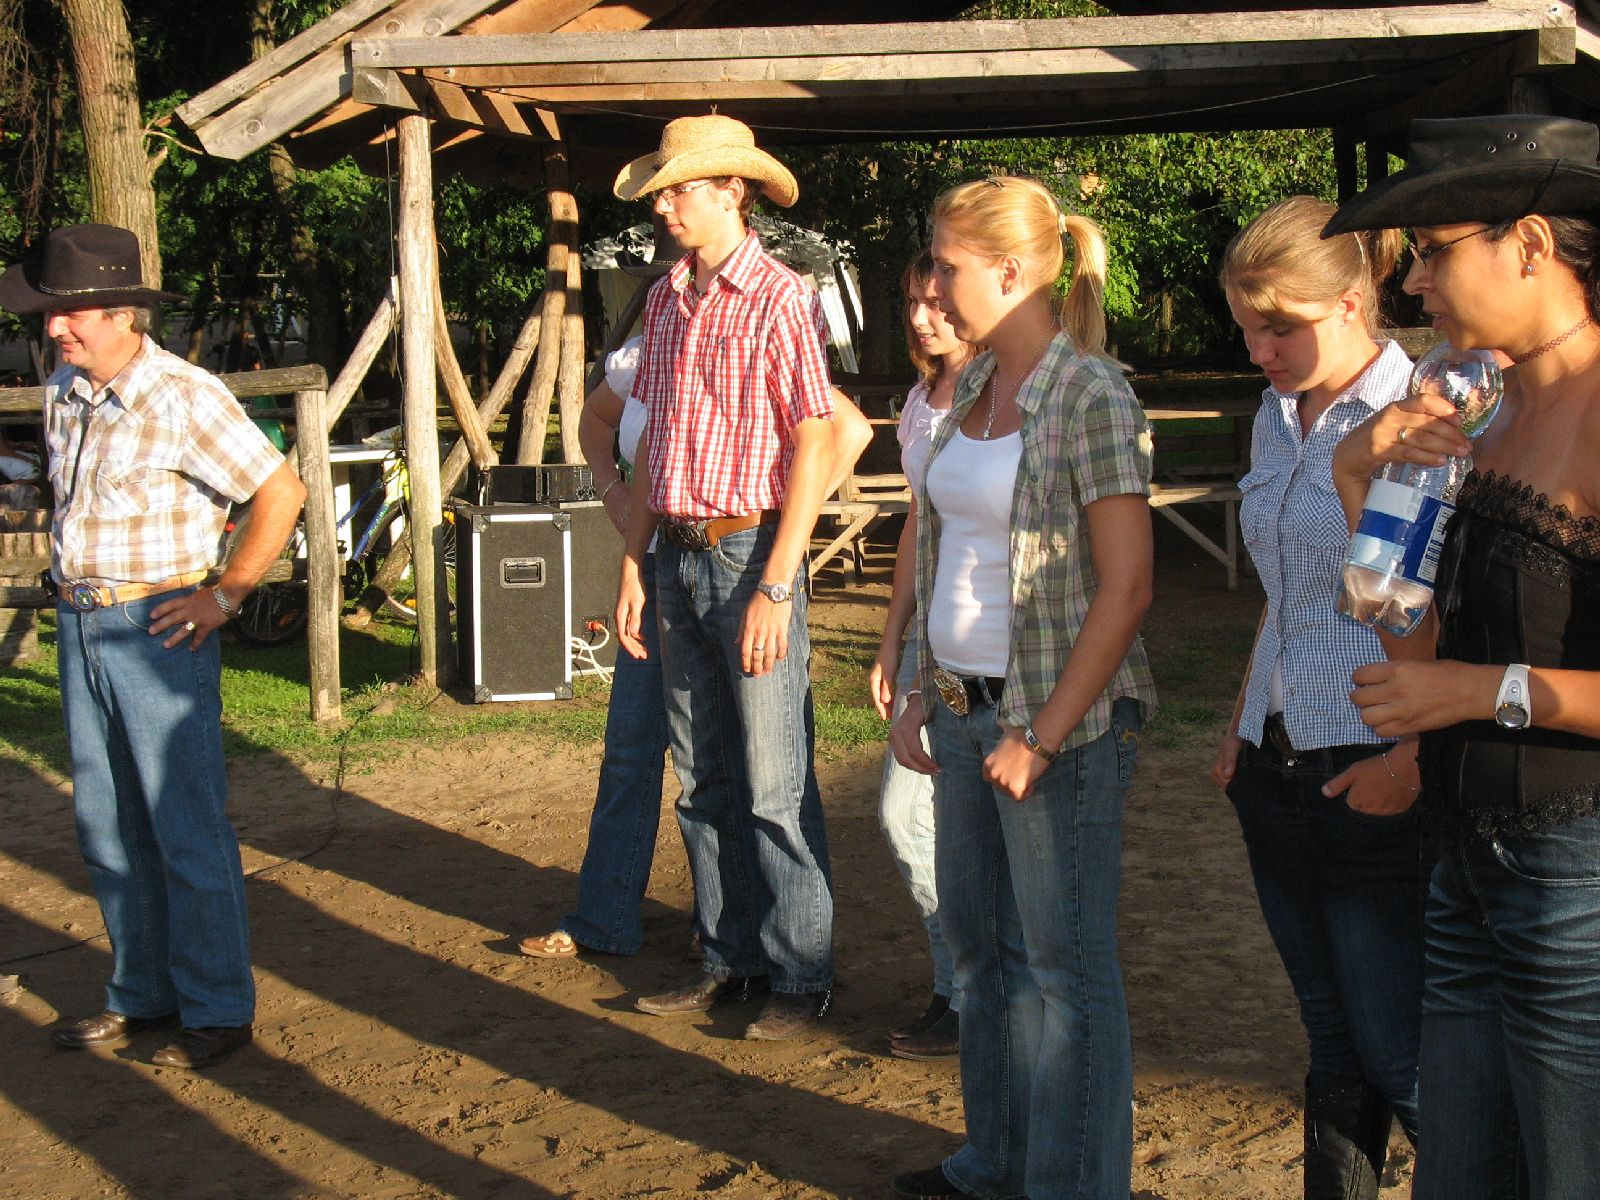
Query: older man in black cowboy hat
146	454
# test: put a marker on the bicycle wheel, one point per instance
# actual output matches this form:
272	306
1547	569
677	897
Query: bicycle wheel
275	612
404	605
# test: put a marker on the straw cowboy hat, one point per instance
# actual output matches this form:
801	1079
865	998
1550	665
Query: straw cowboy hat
81	266
1487	169
706	148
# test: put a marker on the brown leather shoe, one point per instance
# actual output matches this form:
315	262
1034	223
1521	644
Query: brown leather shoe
109	1029
698	996
197	1048
942	1039
937	1007
787	1015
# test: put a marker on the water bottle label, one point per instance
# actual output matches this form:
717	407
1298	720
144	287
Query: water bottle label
1396	544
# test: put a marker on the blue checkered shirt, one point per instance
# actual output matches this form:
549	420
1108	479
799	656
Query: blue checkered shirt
1298	537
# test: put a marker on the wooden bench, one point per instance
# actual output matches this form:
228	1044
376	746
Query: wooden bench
24	554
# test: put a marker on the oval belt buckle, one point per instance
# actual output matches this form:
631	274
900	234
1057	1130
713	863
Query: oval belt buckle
84	597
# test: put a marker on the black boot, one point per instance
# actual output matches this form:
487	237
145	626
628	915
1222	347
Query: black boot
1347	1140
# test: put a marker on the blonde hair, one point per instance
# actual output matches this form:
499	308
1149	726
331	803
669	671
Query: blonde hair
919	274
1017	216
1282	259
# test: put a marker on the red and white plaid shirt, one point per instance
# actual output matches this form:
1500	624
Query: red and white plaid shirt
725	378
143	471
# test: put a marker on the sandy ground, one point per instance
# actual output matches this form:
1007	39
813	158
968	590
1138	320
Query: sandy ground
404	1049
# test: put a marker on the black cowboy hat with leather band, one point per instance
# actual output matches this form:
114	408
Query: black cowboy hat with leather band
80	266
1487	169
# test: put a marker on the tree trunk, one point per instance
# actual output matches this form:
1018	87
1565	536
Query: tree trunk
120	192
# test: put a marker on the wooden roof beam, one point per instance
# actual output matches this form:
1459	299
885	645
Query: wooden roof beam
439	98
1184	30
310	74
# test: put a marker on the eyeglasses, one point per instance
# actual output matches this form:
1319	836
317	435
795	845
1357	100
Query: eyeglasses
670	194
1426	256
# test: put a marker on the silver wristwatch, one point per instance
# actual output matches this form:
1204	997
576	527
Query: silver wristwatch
776	592
1511	707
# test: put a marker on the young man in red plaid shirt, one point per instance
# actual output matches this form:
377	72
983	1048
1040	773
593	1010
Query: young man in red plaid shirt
738	450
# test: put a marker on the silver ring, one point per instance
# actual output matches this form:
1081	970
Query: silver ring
188	626
758	647
1405	432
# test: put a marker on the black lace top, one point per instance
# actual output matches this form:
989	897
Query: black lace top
1519	581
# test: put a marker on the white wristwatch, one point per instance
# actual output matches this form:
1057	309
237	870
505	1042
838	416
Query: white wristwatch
1511	707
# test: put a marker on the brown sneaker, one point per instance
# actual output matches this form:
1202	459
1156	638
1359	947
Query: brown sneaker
698	996
109	1029
195	1049
787	1015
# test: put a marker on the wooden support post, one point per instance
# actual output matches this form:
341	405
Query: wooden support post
418	271
473	432
324	590
563	239
1377	156
569	380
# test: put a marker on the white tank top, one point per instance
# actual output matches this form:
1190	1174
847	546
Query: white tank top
970	486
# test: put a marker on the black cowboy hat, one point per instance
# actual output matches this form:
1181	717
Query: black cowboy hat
80	266
1487	169
666	251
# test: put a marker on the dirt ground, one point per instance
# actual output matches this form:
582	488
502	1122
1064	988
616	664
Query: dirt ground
405	1050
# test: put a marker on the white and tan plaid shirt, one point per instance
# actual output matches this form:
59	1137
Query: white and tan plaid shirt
144	470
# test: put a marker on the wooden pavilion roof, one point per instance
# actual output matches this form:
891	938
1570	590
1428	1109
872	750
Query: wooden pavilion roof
503	77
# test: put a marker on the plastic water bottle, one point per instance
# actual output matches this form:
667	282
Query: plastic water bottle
1394	553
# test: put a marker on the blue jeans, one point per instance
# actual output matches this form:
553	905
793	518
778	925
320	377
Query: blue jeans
627	802
1510	1092
905	813
750	812
144	725
1342	893
1028	901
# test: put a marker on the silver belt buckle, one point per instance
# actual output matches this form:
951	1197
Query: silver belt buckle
84	597
952	691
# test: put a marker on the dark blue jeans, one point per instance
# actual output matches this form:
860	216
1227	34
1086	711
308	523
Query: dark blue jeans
1342	893
1510	1088
627	803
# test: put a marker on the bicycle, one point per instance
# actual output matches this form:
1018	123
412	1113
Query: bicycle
275	612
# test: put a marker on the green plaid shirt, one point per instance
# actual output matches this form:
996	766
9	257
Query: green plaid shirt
1084	437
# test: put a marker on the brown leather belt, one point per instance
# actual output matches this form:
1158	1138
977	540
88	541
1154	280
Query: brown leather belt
86	597
703	535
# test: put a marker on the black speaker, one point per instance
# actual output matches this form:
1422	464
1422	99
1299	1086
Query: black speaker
596	571
514	602
558	483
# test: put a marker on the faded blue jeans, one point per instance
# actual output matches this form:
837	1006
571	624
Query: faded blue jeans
750	812
1342	893
1028	901
905	813
1510	1074
627	801
144	725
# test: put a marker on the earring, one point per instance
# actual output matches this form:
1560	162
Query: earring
1527	269
1005	289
